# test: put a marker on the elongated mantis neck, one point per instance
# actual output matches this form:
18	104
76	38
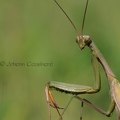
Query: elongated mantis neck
101	59
85	40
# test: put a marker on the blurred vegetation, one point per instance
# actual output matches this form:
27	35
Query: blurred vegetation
37	31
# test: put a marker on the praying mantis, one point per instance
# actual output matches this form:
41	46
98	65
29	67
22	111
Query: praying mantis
75	90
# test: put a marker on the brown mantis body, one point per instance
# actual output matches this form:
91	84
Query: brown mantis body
75	90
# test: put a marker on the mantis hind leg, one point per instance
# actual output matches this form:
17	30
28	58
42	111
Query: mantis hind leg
106	113
81	111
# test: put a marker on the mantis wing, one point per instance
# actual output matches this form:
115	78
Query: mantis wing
116	96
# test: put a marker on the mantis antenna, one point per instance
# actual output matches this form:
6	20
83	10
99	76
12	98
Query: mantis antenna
71	20
84	16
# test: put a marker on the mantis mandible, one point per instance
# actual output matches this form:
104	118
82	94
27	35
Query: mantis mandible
75	90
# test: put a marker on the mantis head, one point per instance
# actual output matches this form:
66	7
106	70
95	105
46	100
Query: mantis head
83	40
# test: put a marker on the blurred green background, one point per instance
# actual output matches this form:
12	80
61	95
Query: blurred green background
37	31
